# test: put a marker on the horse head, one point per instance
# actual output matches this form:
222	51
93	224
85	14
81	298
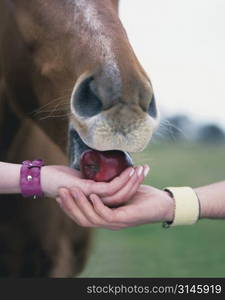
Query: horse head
81	47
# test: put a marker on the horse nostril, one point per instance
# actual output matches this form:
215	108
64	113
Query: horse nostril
85	102
152	110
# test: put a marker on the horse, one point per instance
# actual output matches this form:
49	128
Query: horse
69	81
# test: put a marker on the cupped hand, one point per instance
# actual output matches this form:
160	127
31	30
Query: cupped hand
148	205
114	193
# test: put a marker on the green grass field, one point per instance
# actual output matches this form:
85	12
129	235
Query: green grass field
150	250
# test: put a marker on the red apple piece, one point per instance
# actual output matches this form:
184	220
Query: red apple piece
103	166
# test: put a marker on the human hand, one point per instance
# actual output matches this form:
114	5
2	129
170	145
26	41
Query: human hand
116	192
148	205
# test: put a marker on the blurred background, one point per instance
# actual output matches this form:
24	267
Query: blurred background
181	45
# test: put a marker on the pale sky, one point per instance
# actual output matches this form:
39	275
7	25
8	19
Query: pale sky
181	45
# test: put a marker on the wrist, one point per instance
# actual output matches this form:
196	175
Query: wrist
169	207
202	203
45	184
54	177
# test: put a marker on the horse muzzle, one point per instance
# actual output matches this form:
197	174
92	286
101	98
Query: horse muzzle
105	119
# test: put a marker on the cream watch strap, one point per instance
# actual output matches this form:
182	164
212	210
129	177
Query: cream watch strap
186	206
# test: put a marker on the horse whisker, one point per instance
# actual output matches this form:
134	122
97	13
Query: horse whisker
55	116
50	103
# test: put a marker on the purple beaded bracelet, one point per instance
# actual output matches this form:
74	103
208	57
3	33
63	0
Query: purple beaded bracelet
30	181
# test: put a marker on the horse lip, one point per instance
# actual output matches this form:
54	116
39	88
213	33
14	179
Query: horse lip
76	148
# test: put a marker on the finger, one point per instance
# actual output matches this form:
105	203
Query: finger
86	208
80	219
130	189
66	203
108	214
120	195
106	189
146	170
62	200
71	209
136	186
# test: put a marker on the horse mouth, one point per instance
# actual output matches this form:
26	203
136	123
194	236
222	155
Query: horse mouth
76	148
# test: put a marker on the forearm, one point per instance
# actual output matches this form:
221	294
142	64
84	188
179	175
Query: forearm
9	178
212	200
51	179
